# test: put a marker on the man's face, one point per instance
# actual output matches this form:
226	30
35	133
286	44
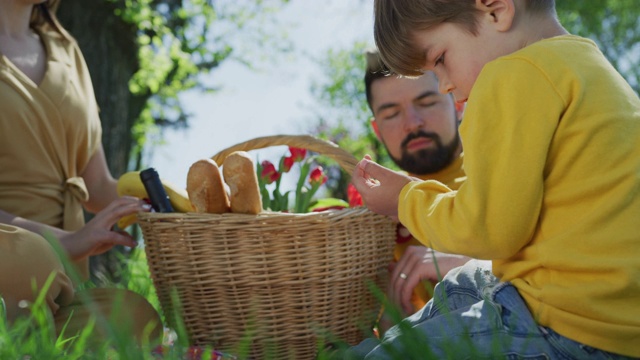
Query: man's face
417	124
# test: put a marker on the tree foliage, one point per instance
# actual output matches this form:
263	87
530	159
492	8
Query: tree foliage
613	25
345	110
143	54
344	116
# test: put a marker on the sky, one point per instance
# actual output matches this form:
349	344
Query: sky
272	100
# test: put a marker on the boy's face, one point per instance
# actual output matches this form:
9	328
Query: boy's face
418	125
457	56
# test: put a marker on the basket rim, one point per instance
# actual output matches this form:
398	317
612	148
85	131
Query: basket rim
361	210
345	159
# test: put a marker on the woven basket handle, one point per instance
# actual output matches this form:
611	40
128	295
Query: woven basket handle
344	159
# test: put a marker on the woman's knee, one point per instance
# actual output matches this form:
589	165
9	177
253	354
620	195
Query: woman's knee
116	312
28	266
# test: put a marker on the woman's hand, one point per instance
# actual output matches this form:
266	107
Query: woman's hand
418	263
97	236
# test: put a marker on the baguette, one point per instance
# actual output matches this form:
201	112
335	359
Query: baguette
206	189
240	174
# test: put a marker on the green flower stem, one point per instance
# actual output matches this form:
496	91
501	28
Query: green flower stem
285	201
280	201
309	195
266	201
300	196
277	189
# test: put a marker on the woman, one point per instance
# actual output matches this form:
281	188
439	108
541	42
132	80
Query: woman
53	164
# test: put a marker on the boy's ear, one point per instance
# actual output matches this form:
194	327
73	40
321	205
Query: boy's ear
374	126
500	13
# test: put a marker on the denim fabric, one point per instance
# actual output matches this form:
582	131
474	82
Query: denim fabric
568	349
473	316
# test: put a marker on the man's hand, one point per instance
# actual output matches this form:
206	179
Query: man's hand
418	263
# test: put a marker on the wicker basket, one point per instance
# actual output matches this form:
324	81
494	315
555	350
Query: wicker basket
279	281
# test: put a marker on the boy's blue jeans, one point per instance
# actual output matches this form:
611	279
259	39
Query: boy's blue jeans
473	316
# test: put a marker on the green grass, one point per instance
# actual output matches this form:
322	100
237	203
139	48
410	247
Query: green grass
34	338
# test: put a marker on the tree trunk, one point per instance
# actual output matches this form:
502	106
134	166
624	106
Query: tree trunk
110	50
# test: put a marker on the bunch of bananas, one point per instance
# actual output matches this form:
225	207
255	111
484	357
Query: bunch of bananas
130	184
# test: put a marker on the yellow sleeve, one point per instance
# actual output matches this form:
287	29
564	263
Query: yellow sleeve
507	129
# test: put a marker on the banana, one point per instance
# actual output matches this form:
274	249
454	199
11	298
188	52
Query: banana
127	221
129	184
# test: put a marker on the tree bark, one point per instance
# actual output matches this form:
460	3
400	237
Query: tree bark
110	50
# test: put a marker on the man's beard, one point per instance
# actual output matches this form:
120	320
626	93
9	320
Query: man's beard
427	161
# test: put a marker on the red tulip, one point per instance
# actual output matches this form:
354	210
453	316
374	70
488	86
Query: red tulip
287	163
317	176
297	154
269	173
354	197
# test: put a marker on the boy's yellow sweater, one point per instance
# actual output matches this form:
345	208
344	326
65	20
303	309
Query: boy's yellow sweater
551	136
452	176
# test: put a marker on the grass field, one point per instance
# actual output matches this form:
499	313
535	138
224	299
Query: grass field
34	337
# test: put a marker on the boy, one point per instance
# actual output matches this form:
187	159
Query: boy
552	194
418	127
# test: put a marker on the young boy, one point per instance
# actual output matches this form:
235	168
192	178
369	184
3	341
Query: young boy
552	194
418	127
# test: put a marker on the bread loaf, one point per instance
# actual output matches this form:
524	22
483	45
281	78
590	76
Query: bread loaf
206	189
240	174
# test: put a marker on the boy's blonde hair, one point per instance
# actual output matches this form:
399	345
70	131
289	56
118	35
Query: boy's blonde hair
396	22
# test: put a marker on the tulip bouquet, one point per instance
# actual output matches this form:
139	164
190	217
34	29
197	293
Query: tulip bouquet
312	177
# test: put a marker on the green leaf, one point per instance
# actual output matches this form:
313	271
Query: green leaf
327	203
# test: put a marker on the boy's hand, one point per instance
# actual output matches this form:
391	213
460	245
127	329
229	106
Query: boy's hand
380	187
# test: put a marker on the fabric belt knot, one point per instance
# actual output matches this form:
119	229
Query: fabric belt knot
75	193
